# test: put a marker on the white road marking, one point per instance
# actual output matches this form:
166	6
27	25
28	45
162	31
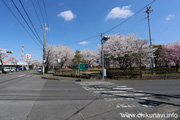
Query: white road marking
96	83
123	88
91	89
21	75
108	91
117	99
28	75
124	106
136	94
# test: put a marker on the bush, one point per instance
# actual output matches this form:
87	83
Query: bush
164	70
122	74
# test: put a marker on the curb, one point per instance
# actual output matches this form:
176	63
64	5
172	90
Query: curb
49	78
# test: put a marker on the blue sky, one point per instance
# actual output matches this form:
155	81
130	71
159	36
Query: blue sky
75	20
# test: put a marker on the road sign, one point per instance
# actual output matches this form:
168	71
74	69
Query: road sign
77	66
5	62
104	72
83	66
59	60
28	56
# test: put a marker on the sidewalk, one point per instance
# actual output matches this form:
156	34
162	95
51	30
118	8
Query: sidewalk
51	77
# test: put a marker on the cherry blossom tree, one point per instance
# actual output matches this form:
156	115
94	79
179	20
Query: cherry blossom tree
64	53
142	53
3	55
36	63
127	51
13	61
90	57
171	53
122	49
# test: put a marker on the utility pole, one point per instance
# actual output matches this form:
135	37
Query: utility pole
149	10
44	45
103	40
102	56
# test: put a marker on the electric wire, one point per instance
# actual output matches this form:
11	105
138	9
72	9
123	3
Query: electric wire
107	30
25	21
168	26
30	20
21	24
40	11
114	26
37	14
128	18
84	39
45	12
17	48
46	21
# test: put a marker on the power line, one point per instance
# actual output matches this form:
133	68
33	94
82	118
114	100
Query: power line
46	18
18	48
45	12
41	11
21	23
83	39
30	20
142	19
37	14
168	26
114	26
25	21
128	18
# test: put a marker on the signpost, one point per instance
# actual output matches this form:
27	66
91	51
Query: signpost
59	61
28	57
81	67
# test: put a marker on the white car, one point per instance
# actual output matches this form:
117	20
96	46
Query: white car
13	69
39	70
7	69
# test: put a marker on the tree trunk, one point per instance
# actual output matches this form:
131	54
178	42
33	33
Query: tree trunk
177	66
140	71
2	66
166	64
16	67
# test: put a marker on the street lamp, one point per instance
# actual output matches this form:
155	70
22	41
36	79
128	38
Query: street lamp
103	40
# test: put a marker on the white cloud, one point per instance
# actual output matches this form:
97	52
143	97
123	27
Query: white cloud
169	17
118	12
61	4
83	43
67	15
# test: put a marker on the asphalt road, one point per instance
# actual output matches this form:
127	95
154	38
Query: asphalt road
25	96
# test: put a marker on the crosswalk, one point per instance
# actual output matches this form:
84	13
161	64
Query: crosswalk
110	89
123	96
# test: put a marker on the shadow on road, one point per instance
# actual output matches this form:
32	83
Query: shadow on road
154	103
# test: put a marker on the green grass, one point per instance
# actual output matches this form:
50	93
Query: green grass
95	69
170	74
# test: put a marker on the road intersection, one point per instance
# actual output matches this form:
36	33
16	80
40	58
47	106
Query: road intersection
26	96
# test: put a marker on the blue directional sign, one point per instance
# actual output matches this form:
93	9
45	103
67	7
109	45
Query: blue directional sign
84	66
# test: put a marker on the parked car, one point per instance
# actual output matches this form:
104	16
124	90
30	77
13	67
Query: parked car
13	69
6	69
39	70
19	69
